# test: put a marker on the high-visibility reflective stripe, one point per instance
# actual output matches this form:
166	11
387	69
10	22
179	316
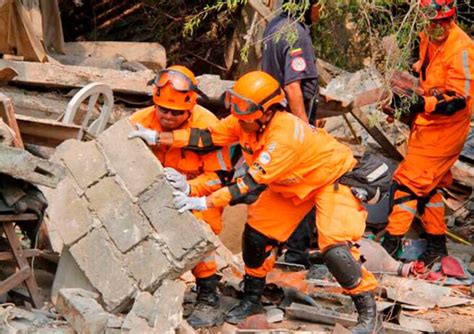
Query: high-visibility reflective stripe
220	158
435	205
297	129
407	208
466	72
213	182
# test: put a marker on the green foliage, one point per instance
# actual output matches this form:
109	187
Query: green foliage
195	20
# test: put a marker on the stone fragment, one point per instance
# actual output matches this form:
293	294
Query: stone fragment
131	159
84	160
169	297
95	256
69	275
81	309
115	210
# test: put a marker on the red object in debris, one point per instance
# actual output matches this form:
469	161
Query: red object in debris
434	276
418	268
257	321
451	267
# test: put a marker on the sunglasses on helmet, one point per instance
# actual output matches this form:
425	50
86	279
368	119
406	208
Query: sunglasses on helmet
179	81
173	112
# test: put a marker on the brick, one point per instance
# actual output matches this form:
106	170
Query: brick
115	210
84	160
81	309
68	212
131	159
95	256
148	264
180	232
23	165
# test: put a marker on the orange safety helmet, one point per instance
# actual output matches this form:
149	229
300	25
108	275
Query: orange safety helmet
438	9
175	88
253	94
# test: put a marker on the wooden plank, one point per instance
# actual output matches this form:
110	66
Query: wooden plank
6	75
17	251
6	256
378	135
46	132
28	43
320	315
14	280
36	104
19	217
64	76
152	55
8	114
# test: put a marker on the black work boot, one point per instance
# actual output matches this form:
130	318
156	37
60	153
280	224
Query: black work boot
250	303
206	311
367	319
392	243
435	249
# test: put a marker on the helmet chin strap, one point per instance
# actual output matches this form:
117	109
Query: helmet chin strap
263	125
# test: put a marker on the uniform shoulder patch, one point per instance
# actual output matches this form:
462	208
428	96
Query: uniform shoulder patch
264	158
298	64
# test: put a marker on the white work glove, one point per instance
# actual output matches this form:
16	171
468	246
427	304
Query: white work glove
149	136
183	202
177	180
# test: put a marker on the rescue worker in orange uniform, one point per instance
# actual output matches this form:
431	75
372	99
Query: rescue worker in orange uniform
175	99
440	125
292	168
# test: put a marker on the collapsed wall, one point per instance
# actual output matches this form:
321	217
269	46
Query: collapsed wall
115	216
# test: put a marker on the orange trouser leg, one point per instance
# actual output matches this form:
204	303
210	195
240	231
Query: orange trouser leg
205	268
267	265
433	217
275	217
402	215
208	266
341	218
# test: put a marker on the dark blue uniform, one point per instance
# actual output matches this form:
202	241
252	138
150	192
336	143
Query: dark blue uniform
288	63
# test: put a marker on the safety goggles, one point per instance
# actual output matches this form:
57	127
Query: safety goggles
179	81
245	108
173	112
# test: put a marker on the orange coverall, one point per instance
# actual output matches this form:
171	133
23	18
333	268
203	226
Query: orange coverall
435	140
199	169
300	165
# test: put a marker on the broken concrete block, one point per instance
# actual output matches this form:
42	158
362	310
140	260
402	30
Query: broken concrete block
23	165
131	159
144	308
180	232
115	210
95	256
68	212
69	275
148	264
169	298
84	160
81	309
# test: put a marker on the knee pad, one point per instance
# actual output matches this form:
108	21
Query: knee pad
254	247
342	265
